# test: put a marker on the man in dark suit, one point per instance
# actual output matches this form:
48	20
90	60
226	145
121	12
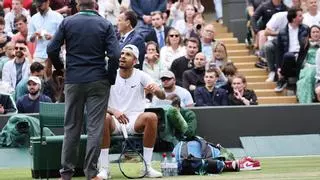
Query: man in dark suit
159	32
89	38
126	24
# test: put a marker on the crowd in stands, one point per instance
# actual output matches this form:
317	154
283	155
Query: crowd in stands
285	35
177	49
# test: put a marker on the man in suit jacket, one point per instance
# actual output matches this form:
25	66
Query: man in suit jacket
126	23
159	32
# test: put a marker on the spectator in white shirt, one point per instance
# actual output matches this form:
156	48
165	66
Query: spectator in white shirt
173	49
312	17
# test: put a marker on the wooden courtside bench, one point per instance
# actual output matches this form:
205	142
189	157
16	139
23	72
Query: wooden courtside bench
46	150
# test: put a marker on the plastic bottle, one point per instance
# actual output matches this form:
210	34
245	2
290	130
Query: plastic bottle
164	165
174	165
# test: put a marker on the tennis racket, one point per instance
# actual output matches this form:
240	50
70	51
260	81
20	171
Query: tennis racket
131	161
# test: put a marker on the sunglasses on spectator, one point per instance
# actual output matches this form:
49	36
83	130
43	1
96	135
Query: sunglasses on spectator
20	48
174	35
165	79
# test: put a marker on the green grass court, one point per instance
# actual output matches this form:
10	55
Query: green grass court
272	169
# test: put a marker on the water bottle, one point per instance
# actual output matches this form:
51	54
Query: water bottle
174	165
164	165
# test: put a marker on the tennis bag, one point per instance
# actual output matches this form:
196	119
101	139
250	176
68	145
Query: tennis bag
197	156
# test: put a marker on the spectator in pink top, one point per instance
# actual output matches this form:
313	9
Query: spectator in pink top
20	22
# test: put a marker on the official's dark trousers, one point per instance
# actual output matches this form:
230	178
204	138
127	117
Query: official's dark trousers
94	97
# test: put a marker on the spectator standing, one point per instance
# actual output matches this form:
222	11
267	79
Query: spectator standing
21	24
177	11
209	95
87	81
143	9
219	10
29	103
42	27
241	95
185	26
61	6
17	9
184	63
111	9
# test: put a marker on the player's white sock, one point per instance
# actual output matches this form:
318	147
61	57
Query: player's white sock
147	155
104	158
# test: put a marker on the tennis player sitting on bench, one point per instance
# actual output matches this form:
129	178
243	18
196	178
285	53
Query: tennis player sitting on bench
127	104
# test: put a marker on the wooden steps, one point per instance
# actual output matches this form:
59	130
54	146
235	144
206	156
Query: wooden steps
238	46
228	40
245	62
238	53
248	58
245	65
253	72
261	85
224	35
260	78
268	92
278	100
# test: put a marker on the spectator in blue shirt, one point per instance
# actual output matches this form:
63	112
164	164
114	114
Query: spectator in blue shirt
29	103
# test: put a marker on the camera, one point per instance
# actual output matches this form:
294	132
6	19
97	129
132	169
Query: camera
198	26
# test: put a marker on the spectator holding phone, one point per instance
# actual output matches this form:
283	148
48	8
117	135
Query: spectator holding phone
152	64
241	95
220	54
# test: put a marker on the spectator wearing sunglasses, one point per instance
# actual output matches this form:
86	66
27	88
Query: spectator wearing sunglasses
14	71
173	48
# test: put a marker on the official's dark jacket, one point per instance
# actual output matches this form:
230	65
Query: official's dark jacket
89	39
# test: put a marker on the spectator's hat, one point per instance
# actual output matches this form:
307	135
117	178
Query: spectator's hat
167	74
133	49
35	79
39	2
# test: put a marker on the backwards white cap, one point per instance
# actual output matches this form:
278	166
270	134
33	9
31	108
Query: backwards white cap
133	49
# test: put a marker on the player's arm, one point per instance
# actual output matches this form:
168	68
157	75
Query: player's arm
155	89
